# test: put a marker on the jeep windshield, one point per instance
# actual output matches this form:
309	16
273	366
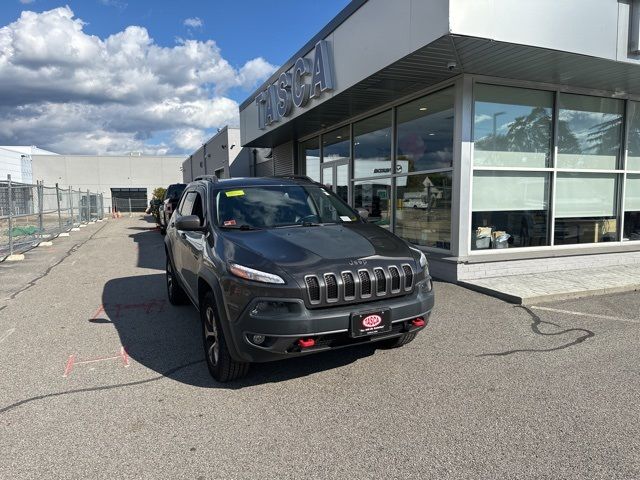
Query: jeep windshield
260	207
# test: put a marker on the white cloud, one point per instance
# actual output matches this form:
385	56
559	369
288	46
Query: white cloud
26	2
68	91
193	22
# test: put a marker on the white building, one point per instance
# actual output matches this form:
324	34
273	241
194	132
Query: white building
16	161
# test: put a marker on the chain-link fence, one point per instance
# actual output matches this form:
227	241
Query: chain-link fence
30	214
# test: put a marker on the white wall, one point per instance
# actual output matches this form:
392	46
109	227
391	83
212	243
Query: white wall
101	173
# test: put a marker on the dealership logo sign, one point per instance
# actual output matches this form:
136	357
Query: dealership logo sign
292	89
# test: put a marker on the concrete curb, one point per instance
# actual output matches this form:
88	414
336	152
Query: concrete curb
16	257
45	244
553	297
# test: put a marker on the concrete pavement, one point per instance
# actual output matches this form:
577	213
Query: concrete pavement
489	390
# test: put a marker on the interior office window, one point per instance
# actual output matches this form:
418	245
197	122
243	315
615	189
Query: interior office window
372	146
336	145
632	208
585	208
375	197
633	142
589	132
509	209
310	157
512	127
425	133
423	209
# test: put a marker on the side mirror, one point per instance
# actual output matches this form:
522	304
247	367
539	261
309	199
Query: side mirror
189	223
364	213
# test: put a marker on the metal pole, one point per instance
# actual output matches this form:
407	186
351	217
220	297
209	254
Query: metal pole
130	214
70	199
58	202
40	190
102	206
10	216
88	206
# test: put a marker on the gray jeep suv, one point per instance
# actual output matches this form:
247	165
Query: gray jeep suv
282	267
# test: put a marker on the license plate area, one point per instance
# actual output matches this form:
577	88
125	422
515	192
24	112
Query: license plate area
370	323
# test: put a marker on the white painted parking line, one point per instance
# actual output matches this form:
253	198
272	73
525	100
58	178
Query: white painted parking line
6	334
582	314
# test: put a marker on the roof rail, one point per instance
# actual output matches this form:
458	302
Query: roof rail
295	177
213	178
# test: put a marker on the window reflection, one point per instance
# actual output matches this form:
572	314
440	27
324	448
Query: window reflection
374	196
336	145
510	209
585	208
512	126
310	153
423	209
589	132
425	133
633	143
632	208
372	146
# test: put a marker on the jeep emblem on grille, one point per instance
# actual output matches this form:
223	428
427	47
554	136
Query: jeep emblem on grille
357	262
371	321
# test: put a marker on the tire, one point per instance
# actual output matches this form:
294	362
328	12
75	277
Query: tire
398	341
174	290
163	230
221	366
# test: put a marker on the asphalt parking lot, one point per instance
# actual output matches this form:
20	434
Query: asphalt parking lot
488	390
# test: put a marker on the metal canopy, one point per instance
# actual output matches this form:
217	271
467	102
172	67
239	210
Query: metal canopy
428	66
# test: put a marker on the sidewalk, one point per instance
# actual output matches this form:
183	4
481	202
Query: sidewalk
534	288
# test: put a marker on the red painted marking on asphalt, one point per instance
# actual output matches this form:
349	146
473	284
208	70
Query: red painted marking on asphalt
98	312
69	367
125	356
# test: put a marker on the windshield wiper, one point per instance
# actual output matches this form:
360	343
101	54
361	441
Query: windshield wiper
244	226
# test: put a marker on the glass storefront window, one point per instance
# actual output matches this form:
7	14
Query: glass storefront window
425	133
336	145
512	127
510	209
633	144
423	209
585	208
310	156
372	146
589	132
632	208
375	197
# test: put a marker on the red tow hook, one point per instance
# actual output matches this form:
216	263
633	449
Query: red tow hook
418	322
306	342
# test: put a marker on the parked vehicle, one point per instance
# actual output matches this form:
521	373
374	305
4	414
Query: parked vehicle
169	203
282	267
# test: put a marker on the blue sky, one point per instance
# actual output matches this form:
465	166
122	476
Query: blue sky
240	42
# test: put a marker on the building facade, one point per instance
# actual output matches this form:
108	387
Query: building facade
115	176
500	137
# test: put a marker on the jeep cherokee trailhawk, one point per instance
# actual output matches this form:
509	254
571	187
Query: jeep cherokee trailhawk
281	267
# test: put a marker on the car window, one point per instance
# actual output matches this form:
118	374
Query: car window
279	206
187	203
197	208
174	191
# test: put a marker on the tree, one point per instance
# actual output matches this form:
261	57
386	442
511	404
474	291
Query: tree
159	193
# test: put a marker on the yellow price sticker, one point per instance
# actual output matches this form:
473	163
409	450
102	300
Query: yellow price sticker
234	193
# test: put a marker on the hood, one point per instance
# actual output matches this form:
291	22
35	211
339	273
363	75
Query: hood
306	246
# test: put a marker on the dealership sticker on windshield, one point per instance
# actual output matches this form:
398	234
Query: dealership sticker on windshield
345	219
234	193
229	223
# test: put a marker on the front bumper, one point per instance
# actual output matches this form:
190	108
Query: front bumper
283	326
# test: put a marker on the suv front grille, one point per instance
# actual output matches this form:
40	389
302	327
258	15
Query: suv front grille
347	286
408	277
365	283
332	287
313	287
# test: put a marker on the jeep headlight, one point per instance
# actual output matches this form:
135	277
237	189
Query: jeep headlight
423	257
252	274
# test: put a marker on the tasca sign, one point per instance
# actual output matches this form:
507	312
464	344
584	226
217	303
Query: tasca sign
293	89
